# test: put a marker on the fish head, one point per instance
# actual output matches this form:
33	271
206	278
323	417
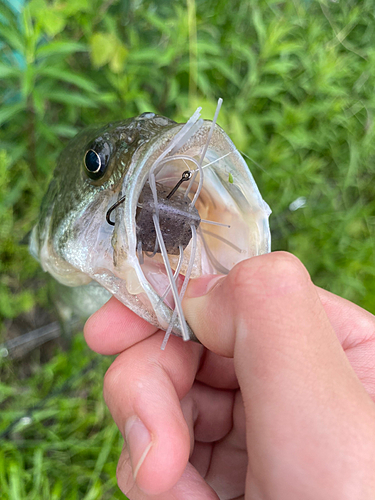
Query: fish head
97	219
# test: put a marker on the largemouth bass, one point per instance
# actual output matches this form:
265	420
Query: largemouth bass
143	205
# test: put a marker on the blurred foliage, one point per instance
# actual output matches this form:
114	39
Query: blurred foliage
297	79
69	446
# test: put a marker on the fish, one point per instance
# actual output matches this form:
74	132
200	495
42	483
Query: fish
137	208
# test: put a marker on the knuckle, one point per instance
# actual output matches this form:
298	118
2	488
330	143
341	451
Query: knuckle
271	273
284	265
289	275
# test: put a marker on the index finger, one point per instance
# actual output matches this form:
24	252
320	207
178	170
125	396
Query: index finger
114	328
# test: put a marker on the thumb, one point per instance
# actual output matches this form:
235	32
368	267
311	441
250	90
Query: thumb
266	302
307	415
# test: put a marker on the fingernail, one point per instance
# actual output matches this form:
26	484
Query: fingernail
201	286
139	442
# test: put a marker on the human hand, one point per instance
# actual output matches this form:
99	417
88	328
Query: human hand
279	405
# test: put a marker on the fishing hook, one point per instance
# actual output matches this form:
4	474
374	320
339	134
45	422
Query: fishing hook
185	177
112	208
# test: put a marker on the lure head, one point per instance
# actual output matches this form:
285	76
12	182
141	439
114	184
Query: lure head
176	215
127	161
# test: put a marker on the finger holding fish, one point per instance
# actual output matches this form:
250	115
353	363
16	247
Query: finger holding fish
115	328
143	389
167	416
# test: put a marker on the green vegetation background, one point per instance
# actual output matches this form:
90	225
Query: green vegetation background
297	79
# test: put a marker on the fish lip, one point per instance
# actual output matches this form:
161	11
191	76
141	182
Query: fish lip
133	184
135	180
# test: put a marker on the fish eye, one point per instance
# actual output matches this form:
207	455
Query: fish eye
93	161
96	160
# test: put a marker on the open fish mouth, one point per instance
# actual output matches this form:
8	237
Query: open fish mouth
142	206
189	207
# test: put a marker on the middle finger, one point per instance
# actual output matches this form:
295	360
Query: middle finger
142	389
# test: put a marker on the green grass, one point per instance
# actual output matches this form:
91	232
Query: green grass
297	79
65	445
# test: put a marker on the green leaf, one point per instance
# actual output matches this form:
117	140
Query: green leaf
37	469
102	46
71	98
8	71
226	71
204	83
74	7
66	75
238	131
28	80
60	48
64	130
107	48
53	21
259	25
37	8
8	112
38	101
267	90
15	480
279	67
211	48
13	37
144	55
118	59
158	22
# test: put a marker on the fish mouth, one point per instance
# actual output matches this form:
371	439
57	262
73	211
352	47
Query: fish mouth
169	229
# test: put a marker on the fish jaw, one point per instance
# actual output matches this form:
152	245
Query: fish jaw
237	204
85	247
